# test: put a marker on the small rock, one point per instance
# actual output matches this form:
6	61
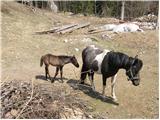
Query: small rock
87	40
14	112
76	49
6	101
104	36
90	109
90	116
115	106
65	40
8	115
28	96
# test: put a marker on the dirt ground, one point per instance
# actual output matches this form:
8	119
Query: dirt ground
22	48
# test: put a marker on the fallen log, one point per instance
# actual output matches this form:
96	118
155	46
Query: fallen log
74	28
48	31
65	27
92	32
57	29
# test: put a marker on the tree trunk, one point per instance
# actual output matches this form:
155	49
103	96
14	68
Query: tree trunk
36	4
95	9
157	27
42	4
22	1
53	6
122	10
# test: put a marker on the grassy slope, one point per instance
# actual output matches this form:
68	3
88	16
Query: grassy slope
21	51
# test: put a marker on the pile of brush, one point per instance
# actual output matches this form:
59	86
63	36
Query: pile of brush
26	100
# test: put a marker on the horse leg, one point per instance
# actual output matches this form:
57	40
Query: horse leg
104	84
48	72
91	75
83	74
113	80
61	71
57	69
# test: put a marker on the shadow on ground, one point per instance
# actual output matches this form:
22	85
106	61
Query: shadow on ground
42	77
86	89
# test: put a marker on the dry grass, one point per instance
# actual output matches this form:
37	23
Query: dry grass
22	49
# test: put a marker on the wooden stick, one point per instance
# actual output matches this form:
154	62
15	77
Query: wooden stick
2	82
26	103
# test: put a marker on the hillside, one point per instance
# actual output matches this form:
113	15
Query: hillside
22	50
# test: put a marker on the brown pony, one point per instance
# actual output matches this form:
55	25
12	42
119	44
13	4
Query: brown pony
58	62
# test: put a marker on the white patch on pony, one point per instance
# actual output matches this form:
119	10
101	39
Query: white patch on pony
93	46
99	58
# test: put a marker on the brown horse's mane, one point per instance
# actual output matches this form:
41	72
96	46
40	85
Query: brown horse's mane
64	56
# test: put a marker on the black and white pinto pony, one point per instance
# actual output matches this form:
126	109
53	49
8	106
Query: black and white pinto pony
107	63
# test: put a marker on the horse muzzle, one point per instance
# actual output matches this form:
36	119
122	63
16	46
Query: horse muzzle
135	83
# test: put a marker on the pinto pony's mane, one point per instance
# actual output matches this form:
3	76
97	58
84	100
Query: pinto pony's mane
113	61
120	60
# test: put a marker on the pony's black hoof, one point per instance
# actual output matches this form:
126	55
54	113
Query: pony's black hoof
81	82
52	81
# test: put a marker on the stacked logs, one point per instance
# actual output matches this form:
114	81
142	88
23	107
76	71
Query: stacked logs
65	28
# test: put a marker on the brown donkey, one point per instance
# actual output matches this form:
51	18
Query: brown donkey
58	62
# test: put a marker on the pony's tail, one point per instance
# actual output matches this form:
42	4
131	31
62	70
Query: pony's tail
41	61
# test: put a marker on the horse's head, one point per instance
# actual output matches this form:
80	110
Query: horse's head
133	71
74	61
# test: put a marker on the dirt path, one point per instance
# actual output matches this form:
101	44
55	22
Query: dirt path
21	52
